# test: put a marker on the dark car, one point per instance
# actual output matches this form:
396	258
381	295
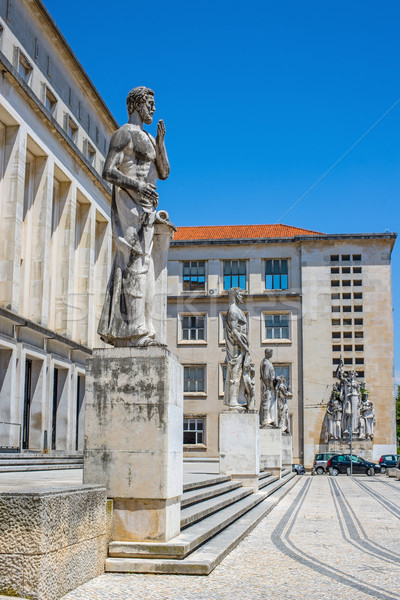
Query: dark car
299	469
388	460
340	463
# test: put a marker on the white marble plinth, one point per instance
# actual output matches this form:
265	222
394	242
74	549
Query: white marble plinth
133	438
240	447
287	451
271	449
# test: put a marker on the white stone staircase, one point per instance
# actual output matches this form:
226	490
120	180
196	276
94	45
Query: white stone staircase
11	463
216	514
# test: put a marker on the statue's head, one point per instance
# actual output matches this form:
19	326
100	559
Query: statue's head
141	99
236	295
268	352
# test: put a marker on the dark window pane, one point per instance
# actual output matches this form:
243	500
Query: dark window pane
268	267
189	437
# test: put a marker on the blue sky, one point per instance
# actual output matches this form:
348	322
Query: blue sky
260	99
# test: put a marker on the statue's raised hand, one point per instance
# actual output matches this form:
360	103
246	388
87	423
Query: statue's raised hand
160	131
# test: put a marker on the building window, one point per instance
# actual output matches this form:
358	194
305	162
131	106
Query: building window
358	309
357	282
346	308
335	308
347	321
358	296
348	361
359	361
277	327
347	348
346	296
359	348
50	101
335	322
222	378
194	379
276	274
335	283
345	269
193	328
345	257
234	274
347	334
336	348
334	270
357	257
193	430
358	334
357	269
336	334
24	67
335	296
334	257
90	152
194	275
285	371
71	128
346	283
358	321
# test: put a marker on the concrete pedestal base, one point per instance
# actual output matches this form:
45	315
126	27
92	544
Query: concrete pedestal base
240	447
271	449
287	451
363	448
133	438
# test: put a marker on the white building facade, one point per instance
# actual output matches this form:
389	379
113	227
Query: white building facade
55	243
310	297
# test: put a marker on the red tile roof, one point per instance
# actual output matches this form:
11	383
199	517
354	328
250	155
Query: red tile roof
229	232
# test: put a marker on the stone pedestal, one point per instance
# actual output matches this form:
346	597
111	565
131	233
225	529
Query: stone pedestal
363	448
133	438
239	443
287	451
271	449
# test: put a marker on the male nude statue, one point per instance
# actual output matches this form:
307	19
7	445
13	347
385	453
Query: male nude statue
134	163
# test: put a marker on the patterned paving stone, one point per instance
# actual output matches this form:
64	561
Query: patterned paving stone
329	538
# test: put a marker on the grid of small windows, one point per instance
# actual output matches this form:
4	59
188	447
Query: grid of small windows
194	275
276	274
234	274
194	378
277	327
193	327
193	430
346	272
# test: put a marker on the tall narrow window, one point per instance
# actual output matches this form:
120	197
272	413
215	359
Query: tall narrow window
24	67
276	274
54	411
27	404
234	274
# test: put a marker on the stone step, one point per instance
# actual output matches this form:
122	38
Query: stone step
190	538
55	467
196	534
206	557
205	481
264	482
264	475
39	461
198	495
200	510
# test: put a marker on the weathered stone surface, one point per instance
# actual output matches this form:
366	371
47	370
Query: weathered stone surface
51	541
240	447
287	452
271	449
133	438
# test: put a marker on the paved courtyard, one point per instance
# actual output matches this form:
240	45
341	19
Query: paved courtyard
329	538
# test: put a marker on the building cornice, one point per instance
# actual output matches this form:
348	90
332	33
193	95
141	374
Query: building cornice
16	79
19	321
41	12
328	237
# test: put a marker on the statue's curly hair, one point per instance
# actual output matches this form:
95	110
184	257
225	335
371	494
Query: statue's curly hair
136	97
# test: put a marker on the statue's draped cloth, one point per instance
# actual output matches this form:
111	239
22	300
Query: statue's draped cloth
236	356
130	289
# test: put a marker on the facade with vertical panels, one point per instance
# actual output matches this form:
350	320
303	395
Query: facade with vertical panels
310	297
55	242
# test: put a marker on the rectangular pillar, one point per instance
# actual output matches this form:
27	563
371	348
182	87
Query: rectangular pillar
239	442
271	449
133	438
287	451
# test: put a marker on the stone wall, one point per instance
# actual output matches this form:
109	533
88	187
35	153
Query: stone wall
52	540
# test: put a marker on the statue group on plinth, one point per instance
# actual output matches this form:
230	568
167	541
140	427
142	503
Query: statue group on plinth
240	374
274	410
349	410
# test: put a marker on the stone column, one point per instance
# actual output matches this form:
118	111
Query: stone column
163	233
271	449
133	438
239	442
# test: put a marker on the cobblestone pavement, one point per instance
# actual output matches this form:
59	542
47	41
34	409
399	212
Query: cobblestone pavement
328	539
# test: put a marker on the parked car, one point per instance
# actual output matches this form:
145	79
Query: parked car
299	469
320	462
388	460
341	462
